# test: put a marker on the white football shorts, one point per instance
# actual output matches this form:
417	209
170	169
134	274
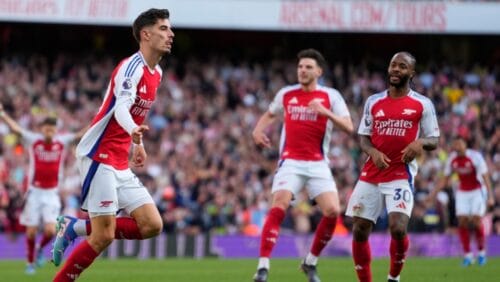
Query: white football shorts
293	175
468	203
41	206
368	200
106	190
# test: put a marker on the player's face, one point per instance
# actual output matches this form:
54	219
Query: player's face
400	71
48	131
308	71
459	146
160	36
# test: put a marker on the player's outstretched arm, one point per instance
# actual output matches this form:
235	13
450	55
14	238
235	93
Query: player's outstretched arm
13	125
379	159
259	137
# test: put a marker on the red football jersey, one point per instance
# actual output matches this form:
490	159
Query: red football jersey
306	134
135	84
46	159
392	124
470	169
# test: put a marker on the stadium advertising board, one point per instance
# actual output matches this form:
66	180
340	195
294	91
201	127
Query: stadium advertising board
330	16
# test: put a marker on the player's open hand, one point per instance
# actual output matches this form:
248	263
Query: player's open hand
411	151
380	159
138	132
318	107
139	156
261	139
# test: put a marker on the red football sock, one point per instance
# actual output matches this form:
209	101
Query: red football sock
480	236
30	244
463	233
270	231
362	256
398	251
81	258
45	240
126	228
324	233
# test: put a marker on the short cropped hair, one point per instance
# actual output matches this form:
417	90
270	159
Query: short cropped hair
49	121
312	54
148	18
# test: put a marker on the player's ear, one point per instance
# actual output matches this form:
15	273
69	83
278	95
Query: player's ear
145	34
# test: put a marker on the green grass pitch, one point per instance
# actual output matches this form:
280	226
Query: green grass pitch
236	270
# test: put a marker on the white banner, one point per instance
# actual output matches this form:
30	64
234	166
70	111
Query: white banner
328	16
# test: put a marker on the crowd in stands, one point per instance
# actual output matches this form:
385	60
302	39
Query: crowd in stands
203	169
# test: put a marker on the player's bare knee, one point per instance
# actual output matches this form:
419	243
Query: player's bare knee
151	229
331	211
361	230
100	241
398	231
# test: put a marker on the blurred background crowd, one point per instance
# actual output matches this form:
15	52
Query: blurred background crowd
203	169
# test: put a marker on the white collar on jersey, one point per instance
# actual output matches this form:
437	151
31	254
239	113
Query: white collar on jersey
152	71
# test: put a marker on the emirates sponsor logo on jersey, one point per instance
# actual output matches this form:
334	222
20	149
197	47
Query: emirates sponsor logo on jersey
393	127
466	169
141	107
47	156
302	113
380	113
408	112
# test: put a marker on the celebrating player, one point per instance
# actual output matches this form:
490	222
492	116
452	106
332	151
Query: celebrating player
47	151
108	182
397	124
310	112
473	195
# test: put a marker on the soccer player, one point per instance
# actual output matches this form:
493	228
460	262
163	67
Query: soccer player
472	197
47	151
397	125
310	111
102	155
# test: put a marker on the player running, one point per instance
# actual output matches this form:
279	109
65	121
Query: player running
102	154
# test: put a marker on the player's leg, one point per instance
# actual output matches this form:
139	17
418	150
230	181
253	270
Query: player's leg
31	232
50	209
463	207
145	221
100	198
399	202
286	183
478	227
478	211
103	226
31	217
321	187
398	223
365	206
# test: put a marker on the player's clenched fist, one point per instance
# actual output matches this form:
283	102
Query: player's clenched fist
137	134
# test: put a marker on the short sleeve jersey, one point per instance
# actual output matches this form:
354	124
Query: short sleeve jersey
306	135
392	124
134	84
470	169
46	159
